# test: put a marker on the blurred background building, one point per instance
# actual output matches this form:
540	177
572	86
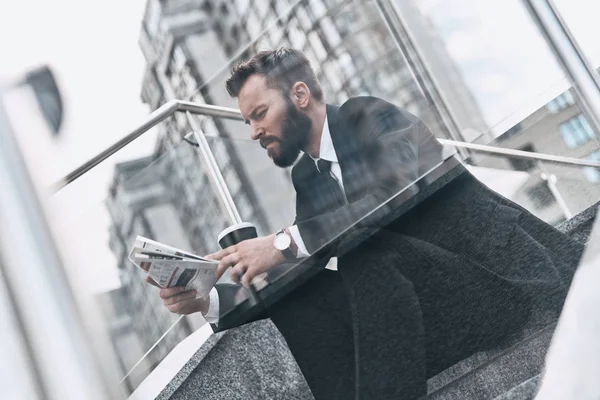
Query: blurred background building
554	192
189	46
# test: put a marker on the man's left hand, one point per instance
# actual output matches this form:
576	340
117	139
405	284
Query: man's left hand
249	258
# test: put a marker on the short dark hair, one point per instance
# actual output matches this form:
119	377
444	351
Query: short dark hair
281	67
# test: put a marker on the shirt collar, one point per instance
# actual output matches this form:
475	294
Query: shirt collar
326	149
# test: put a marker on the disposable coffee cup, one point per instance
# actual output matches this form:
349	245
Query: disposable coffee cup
236	233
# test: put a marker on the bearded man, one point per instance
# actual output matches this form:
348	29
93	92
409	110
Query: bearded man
454	275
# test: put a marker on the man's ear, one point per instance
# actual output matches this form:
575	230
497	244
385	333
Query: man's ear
301	95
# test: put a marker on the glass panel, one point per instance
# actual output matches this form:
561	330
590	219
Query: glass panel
505	90
501	89
500	73
510	87
162	197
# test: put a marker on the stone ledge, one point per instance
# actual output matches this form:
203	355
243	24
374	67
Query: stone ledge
215	371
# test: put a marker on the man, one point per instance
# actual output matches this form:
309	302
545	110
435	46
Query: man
418	292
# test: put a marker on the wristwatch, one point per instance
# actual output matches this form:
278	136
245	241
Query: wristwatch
283	242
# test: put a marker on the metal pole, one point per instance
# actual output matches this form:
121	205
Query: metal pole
157	116
210	164
585	81
418	67
214	173
64	357
529	155
219	184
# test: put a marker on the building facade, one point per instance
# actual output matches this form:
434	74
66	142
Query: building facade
352	51
553	192
141	202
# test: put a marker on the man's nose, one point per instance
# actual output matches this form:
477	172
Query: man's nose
256	131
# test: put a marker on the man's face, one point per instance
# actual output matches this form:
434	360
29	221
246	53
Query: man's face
274	121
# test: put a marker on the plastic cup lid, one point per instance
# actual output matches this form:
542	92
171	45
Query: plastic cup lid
232	228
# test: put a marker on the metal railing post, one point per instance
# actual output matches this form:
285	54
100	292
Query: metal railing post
214	173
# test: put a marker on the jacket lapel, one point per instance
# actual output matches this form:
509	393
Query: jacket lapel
347	150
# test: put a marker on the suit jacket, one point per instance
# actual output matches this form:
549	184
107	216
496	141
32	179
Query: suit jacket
382	150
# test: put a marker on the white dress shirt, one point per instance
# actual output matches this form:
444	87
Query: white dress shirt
326	152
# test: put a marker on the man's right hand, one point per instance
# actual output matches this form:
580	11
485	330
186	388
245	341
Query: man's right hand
181	301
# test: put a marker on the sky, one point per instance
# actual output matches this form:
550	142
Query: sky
92	47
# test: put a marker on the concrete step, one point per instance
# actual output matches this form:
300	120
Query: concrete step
525	391
514	373
266	369
500	373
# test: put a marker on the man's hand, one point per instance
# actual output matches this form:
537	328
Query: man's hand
249	258
181	301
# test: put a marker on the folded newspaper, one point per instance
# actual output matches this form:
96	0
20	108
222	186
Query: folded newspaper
169	266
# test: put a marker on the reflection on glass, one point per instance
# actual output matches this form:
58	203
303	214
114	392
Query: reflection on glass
576	131
581	19
552	192
167	197
592	173
508	68
159	197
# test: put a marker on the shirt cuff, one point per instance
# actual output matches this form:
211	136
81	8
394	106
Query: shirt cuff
302	252
212	315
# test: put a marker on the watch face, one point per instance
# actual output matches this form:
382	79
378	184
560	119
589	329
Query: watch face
282	241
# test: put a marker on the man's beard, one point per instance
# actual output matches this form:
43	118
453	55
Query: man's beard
295	132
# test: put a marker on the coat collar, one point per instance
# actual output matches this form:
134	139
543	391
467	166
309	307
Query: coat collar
332	122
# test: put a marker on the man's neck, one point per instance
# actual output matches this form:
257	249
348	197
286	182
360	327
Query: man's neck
318	121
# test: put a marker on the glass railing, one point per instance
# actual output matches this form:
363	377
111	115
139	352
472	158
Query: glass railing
166	196
164	193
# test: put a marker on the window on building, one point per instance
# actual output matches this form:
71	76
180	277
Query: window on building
242	5
244	206
218	27
235	33
561	102
282	10
333	76
231	178
593	173
331	32
518	128
253	24
224	9
347	64
261	8
296	36
318	8
317	45
303	18
576	131
153	17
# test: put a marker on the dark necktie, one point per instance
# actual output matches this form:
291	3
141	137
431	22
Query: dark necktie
332	184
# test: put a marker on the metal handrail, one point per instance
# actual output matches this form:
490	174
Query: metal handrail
173	106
